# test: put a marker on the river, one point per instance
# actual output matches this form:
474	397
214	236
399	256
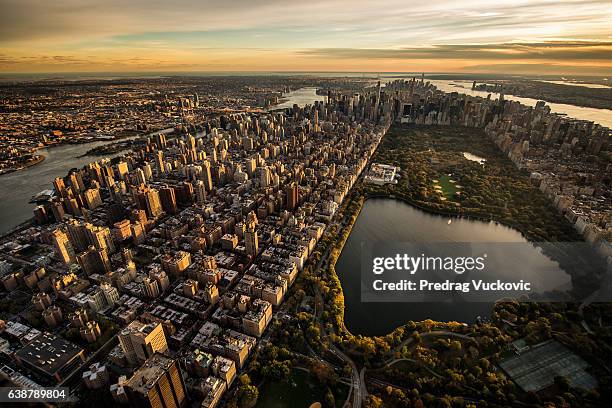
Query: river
583	84
301	97
18	187
393	221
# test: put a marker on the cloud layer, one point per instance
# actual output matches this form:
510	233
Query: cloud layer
438	35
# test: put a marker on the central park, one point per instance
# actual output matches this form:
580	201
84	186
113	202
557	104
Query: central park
403	358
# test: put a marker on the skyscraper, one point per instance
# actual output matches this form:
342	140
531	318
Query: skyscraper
160	162
200	191
251	240
140	341
94	260
60	187
148	200
78	234
251	165
62	245
140	176
168	199
100	237
122	170
92	198
264	176
207	176
158	383
150	288
292	194
160	140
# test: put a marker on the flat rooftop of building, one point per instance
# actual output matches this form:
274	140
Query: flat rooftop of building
149	373
49	353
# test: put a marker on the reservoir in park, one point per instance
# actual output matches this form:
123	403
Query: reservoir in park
394	221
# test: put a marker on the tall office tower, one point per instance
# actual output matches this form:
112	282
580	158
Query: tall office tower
95	172
247	143
193	172
251	164
126	255
62	245
94	261
107	170
111	295
316	120
292	196
239	175
161	277
140	341
116	193
77	234
148	172
122	230
139	177
168	199
150	288
100	237
57	209
213	156
139	216
157	384
191	143
207	176
148	200
40	214
251	220
73	207
109	181
220	174
251	239
92	198
185	193
139	233
264	176
122	170
76	182
60	187
160	140
200	191
160	162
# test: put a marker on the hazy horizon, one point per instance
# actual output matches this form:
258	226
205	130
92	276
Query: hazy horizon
523	37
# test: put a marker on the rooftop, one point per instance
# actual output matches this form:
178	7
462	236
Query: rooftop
48	353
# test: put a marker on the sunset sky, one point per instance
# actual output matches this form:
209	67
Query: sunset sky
521	36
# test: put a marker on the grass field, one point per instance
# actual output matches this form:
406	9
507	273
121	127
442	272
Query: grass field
298	392
448	188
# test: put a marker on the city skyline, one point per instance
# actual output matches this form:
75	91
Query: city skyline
524	37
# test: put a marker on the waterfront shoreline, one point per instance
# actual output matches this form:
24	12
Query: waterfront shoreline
114	139
36	159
